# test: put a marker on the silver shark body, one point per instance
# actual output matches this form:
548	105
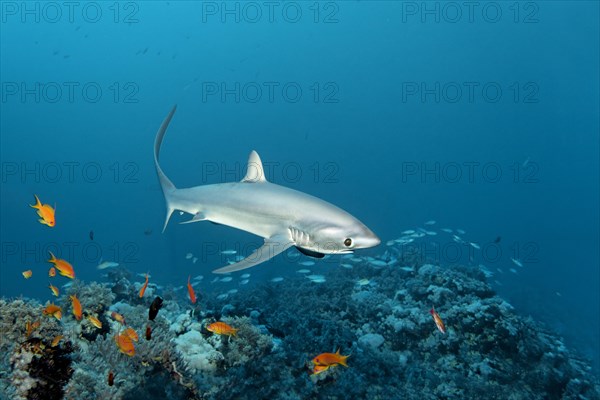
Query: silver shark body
283	217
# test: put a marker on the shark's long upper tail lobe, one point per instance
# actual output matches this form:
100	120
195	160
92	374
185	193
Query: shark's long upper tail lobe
165	183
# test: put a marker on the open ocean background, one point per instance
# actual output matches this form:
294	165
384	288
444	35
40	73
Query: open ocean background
367	105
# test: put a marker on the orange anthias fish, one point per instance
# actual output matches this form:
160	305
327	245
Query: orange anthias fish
63	266
317	369
27	274
76	307
54	290
118	317
30	327
95	321
53	310
45	212
56	340
221	328
52	272
438	320
191	292
329	359
129	332
125	344
143	289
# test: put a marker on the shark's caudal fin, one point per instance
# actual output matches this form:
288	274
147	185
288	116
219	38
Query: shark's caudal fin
165	183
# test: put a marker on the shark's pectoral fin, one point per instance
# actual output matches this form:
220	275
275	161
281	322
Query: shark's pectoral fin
310	253
199	216
272	247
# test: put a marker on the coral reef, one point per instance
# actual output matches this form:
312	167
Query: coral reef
379	315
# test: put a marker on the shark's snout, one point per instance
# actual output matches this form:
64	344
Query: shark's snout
368	239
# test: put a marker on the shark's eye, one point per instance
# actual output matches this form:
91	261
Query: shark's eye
348	242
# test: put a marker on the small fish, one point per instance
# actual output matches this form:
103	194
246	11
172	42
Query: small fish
148	332
226	279
244	281
390	243
30	327
461	231
277	279
363	282
107	264
329	359
194	260
54	290
313	277
378	263
27	274
63	267
189	256
45	212
303	271
125	344
514	271
232	291
438	320
95	321
118	317
154	308
191	291
347	266
53	310
408	232
430	222
229	252
76	307
245	276
111	378
67	285
222	296
221	328
56	340
143	289
447	230
317	369
198	278
91	235
131	333
475	245
517	262
52	272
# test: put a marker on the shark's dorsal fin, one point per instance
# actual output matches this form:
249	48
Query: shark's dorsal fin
255	172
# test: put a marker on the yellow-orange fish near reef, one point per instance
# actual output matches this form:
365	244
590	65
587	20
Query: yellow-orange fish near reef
45	212
64	267
438	320
221	328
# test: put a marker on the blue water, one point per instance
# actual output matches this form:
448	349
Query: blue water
485	122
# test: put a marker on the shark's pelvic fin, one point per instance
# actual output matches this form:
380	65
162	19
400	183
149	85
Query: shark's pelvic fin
255	172
165	183
273	246
199	216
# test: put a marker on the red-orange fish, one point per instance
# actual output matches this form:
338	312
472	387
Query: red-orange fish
221	328
52	272
118	317
125	344
317	369
191	291
329	359
30	327
54	289
27	274
95	321
131	334
56	340
143	289
77	311
45	212
53	310
64	267
438	320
